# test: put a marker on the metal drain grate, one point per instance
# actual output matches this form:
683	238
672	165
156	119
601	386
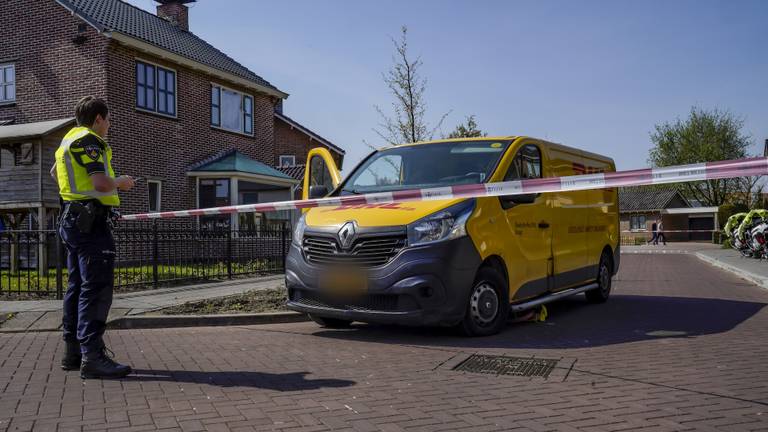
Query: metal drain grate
501	365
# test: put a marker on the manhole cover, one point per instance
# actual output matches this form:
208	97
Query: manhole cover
501	365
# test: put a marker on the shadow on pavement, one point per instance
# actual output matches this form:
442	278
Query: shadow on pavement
574	323
295	381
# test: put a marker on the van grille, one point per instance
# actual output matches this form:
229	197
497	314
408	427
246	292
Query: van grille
365	251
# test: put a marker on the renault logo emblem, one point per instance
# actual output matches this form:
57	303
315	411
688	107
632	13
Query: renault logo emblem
347	234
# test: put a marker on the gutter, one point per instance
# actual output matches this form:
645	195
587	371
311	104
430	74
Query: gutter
76	12
265	179
316	137
140	45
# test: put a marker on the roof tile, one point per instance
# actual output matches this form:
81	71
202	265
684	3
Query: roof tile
234	161
645	199
121	17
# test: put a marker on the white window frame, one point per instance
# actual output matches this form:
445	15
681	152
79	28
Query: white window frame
159	194
175	114
638	227
3	83
290	164
243	95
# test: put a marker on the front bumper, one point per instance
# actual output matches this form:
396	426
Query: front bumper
423	285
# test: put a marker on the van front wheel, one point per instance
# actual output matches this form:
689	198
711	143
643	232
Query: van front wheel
604	274
488	304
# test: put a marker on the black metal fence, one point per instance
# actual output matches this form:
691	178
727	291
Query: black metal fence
150	254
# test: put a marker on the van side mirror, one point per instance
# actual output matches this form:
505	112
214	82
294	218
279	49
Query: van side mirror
317	191
509	201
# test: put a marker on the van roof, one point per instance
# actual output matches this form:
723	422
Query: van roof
486	138
584	153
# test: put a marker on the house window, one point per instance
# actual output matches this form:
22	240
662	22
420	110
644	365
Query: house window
214	193
287	160
24	154
155	192
231	110
155	89
7	83
637	223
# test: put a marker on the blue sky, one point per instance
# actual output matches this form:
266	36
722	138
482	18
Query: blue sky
597	75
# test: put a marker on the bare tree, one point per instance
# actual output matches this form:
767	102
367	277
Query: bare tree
407	123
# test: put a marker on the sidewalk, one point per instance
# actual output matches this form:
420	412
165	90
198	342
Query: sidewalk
40	315
750	269
670	248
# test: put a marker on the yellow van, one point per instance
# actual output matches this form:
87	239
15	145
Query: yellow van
463	262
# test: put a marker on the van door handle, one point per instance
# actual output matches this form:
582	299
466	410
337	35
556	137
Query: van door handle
543	225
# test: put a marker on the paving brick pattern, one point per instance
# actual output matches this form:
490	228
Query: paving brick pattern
680	347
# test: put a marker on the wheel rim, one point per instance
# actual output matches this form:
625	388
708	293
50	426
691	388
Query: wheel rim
484	304
605	277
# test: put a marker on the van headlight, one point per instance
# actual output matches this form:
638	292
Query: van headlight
298	230
446	224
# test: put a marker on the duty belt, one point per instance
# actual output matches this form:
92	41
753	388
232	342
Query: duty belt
86	213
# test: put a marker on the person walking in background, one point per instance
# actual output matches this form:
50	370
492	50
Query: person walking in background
660	234
655	238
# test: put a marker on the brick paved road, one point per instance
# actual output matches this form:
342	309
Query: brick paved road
680	346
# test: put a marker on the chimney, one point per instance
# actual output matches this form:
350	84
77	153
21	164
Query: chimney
175	12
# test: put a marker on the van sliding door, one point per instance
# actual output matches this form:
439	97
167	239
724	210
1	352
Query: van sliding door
569	229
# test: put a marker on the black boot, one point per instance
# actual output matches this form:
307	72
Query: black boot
100	365
72	356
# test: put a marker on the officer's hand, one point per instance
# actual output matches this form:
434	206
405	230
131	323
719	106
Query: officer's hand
124	182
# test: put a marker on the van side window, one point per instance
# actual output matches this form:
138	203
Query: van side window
525	165
319	174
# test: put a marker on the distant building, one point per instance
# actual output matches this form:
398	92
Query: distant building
641	207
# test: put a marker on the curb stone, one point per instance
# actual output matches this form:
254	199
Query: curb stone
5	316
167	321
756	279
156	321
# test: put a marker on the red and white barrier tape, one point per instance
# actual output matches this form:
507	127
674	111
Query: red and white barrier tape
648	176
669	231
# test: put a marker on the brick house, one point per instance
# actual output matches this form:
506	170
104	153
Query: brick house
179	107
641	207
294	142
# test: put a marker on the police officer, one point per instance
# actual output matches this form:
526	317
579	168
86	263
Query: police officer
88	188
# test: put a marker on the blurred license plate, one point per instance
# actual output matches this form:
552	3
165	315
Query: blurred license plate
346	283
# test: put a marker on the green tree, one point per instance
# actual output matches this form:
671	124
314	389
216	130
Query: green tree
467	130
408	121
705	136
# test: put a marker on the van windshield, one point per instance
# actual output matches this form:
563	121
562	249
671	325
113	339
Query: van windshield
426	165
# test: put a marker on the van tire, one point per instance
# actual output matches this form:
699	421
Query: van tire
490	289
332	323
604	274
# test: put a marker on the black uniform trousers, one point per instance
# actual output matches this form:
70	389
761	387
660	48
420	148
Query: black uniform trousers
90	265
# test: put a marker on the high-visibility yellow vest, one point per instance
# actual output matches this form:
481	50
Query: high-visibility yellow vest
74	182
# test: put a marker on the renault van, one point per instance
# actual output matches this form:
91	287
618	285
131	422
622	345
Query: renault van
461	262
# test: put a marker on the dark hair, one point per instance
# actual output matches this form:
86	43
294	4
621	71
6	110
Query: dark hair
88	108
